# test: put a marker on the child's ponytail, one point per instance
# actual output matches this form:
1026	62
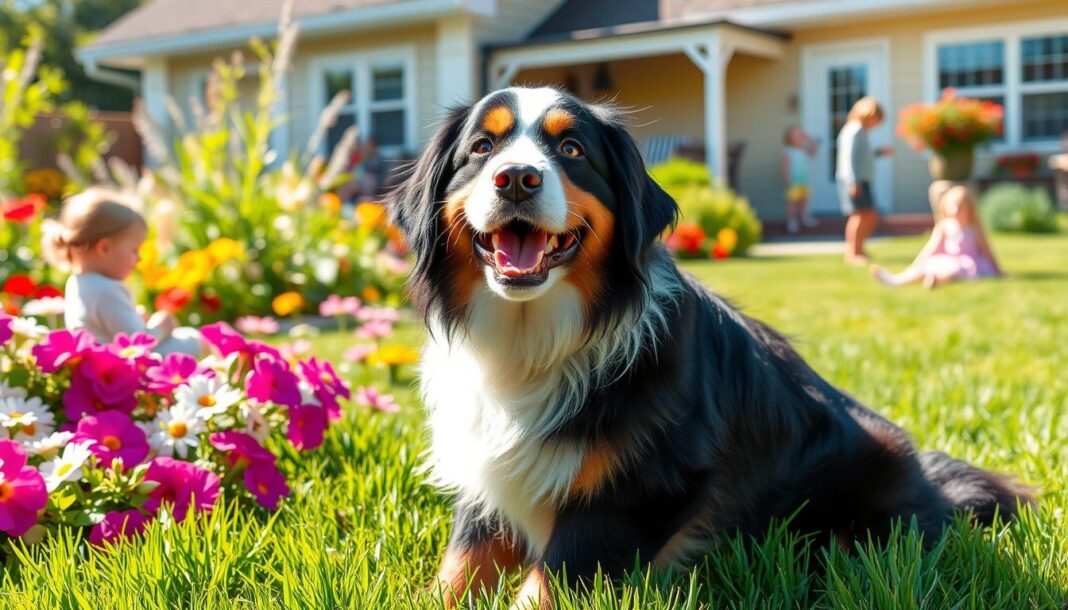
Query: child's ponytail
55	245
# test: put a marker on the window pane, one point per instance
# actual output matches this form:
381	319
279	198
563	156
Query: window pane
1045	59
338	81
847	85
387	127
1045	115
971	64
388	84
333	135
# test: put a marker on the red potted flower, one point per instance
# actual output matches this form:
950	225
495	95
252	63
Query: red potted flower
950	128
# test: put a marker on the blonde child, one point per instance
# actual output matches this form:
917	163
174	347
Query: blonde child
98	238
795	174
958	248
855	170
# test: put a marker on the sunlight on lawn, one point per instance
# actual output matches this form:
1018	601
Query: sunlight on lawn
976	369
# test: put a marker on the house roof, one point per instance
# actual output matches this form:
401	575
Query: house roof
578	15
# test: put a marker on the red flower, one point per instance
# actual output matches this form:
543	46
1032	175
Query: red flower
688	237
24	209
172	300
44	291
19	286
211	303
720	252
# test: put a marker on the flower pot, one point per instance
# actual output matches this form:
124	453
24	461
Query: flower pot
951	165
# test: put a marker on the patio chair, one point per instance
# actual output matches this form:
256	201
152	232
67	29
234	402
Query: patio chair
659	149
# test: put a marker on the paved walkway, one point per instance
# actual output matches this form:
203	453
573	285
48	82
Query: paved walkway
802	247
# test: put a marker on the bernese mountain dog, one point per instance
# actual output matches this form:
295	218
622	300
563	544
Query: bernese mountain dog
591	405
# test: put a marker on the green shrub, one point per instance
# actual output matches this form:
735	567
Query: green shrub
707	204
1012	208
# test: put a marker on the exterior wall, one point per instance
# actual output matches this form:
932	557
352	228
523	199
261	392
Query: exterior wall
185	76
759	94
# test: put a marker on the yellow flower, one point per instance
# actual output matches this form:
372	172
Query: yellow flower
394	355
330	202
371	294
287	304
149	268
370	215
225	249
728	238
48	182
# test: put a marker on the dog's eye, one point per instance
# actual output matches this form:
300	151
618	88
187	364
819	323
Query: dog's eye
482	147
571	148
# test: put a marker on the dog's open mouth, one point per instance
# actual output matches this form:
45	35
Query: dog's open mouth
522	254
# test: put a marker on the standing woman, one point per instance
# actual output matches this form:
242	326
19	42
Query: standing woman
855	171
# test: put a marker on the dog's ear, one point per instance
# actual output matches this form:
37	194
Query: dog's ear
644	210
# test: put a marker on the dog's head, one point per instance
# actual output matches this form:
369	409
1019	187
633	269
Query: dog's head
522	192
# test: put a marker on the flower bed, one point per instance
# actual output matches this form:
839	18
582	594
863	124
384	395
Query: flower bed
112	437
951	124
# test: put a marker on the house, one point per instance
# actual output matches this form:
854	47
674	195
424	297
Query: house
717	74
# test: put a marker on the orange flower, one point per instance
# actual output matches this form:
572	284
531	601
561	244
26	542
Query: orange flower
172	300
370	215
330	202
371	294
728	238
287	304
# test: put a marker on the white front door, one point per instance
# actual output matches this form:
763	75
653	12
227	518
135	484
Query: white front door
834	77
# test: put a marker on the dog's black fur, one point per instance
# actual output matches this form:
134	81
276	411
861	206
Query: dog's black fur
722	427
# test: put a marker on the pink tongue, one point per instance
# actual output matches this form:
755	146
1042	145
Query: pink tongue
519	253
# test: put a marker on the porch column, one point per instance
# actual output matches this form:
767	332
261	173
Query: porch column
456	58
712	58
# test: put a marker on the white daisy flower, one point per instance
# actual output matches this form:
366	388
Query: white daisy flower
175	430
67	467
255	423
28	327
7	391
28	418
50	445
48	306
221	366
210	396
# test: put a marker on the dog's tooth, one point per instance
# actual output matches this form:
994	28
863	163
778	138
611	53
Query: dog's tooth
537	263
551	244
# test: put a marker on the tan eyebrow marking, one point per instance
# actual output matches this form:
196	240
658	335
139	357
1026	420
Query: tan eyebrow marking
498	121
557	120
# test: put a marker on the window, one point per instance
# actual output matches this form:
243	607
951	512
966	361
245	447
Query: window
1024	68
846	85
381	100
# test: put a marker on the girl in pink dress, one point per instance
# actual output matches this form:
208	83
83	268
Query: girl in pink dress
957	250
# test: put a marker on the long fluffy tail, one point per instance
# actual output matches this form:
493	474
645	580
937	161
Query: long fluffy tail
974	490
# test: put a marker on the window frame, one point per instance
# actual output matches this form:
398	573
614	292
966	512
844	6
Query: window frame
1013	89
362	64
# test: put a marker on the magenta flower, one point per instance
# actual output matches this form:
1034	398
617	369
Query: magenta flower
253	325
175	370
81	399
336	306
119	525
241	448
62	347
5	328
102	381
307	423
375	329
369	397
227	341
136	349
359	352
272	381
113	435
266	483
181	486
22	490
326	385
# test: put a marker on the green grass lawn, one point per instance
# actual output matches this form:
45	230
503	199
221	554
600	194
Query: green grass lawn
979	370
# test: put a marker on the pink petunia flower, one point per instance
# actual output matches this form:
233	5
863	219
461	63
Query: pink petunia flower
307	423
272	381
294	350
181	486
326	385
375	329
359	352
113	435
22	490
241	449
173	371
5	328
136	349
62	347
119	525
227	341
266	483
337	306
253	325
369	397
102	381
379	314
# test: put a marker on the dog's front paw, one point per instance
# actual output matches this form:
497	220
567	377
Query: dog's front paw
535	593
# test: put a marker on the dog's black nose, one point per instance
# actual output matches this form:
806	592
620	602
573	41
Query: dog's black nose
517	183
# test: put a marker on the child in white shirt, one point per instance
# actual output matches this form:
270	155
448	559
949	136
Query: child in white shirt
98	237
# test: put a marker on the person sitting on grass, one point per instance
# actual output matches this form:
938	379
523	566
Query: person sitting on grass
958	248
795	163
98	238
